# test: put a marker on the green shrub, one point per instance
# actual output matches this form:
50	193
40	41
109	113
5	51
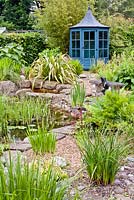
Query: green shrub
32	43
42	141
9	70
126	73
29	182
14	52
77	95
119	68
112	109
102	154
76	66
51	66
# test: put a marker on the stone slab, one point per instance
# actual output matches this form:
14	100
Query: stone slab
65	130
20	146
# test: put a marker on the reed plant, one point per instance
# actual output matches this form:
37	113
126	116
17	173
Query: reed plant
23	181
78	95
42	141
102	154
15	111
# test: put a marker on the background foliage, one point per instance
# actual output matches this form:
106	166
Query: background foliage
16	12
32	43
57	16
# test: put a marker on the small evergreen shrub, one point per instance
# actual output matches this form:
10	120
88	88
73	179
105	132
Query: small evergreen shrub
112	109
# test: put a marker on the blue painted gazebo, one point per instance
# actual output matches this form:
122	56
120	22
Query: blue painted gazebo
89	41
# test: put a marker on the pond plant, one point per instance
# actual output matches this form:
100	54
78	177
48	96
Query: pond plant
25	111
42	141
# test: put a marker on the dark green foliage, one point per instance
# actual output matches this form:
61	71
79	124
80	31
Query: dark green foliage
108	7
16	12
32	43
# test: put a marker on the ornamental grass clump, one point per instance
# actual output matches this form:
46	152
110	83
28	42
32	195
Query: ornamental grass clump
23	181
42	141
102	154
78	95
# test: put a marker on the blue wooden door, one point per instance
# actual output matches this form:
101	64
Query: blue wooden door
89	48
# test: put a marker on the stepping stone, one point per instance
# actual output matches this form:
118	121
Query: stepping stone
20	146
65	130
60	136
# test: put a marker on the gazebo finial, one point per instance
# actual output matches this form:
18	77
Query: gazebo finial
89	7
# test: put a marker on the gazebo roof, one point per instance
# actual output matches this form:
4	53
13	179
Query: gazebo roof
89	21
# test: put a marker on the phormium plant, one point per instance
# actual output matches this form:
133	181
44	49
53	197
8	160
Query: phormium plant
52	66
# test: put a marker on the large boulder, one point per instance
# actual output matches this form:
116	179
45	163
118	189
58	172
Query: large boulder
8	88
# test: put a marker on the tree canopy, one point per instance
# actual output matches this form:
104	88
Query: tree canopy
57	16
16	12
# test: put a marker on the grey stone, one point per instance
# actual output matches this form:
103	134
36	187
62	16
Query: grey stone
40	95
121	197
60	136
22	92
64	130
59	161
122	175
122	168
81	187
117	182
20	146
8	88
130	159
25	84
131	190
127	182
60	87
83	76
50	85
37	84
66	91
5	158
127	168
119	190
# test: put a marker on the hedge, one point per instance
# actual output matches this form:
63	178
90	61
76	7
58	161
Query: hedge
32	43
